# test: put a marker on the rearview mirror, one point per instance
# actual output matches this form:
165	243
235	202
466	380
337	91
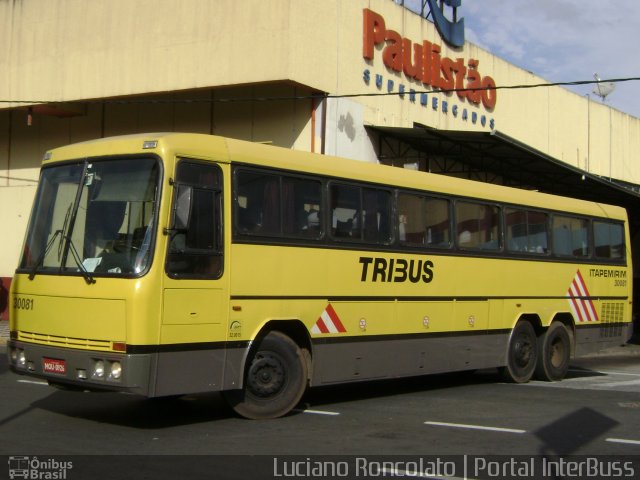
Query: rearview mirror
182	207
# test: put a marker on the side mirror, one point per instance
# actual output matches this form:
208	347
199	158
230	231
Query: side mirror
182	207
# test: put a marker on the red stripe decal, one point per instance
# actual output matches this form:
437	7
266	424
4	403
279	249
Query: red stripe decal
321	326
335	319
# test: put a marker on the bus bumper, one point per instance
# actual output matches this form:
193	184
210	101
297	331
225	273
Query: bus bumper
82	369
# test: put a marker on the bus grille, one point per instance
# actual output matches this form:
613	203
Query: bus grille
68	342
612	318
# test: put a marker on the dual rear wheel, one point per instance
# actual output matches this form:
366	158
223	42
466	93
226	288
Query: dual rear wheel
546	356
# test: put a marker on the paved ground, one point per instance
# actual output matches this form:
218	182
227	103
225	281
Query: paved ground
592	414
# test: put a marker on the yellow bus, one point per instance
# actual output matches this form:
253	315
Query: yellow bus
168	264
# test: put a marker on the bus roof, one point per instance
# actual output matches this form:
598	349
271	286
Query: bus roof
226	150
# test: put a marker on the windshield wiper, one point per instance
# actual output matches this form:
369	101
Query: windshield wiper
34	269
74	253
68	245
72	217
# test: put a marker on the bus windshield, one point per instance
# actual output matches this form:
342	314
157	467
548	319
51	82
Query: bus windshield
93	218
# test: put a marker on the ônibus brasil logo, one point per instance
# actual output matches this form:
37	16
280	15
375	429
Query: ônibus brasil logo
38	468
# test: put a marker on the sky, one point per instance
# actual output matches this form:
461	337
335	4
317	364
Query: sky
562	40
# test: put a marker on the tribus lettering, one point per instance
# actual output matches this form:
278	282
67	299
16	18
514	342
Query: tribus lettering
396	270
423	62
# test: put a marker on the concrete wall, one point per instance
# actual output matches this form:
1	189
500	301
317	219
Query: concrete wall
281	122
79	49
63	50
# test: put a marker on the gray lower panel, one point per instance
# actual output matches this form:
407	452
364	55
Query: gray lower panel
377	359
75	367
189	372
150	374
197	371
594	338
234	368
345	360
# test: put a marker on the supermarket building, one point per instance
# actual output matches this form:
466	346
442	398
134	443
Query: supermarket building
360	79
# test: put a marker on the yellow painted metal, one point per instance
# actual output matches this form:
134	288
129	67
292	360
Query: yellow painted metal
263	283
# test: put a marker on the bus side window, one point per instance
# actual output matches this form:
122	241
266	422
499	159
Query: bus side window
258	203
477	226
345	211
609	240
197	251
537	232
360	213
277	206
516	230
561	237
423	221
571	236
526	231
376	216
301	199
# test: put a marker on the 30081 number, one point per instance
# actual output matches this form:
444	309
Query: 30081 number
23	303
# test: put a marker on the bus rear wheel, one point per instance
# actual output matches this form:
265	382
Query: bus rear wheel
554	353
522	354
275	379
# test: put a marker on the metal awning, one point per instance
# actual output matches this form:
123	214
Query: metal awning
516	164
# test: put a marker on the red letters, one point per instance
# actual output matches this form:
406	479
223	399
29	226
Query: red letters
392	53
489	93
423	62
374	30
412	67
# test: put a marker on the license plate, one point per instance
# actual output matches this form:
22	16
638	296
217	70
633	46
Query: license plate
53	365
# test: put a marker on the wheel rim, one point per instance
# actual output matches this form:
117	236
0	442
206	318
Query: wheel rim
523	351
557	353
267	375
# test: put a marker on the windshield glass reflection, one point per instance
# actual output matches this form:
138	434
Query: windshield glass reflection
94	219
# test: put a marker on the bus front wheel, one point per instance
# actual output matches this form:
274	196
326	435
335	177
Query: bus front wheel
522	354
554	353
275	379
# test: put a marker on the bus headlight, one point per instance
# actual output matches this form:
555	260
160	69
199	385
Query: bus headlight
116	370
18	357
98	369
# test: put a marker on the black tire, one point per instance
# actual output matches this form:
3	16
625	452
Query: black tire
522	354
554	353
275	379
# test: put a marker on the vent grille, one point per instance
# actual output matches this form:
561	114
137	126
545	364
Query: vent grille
612	318
68	342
